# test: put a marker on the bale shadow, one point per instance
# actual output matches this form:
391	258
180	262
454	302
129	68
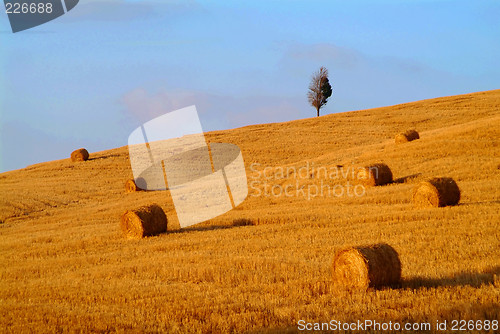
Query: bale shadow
474	280
405	179
104	157
243	222
235	223
199	229
478	203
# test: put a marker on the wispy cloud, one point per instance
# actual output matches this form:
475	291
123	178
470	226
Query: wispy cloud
365	81
333	54
216	111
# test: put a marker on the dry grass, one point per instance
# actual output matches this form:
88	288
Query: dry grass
65	265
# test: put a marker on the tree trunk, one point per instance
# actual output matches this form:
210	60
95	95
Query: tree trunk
317	112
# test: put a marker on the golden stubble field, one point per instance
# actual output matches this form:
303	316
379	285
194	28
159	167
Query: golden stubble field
65	266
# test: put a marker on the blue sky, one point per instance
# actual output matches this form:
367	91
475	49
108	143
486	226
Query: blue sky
90	77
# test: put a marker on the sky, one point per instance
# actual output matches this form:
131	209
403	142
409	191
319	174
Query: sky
92	76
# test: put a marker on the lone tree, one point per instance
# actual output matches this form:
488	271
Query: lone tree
319	89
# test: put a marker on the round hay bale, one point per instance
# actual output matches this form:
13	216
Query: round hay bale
80	155
144	221
374	175
408	135
131	186
364	267
436	192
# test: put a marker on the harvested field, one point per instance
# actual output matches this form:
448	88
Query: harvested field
65	265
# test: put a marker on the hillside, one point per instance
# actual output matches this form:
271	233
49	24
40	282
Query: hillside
65	265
